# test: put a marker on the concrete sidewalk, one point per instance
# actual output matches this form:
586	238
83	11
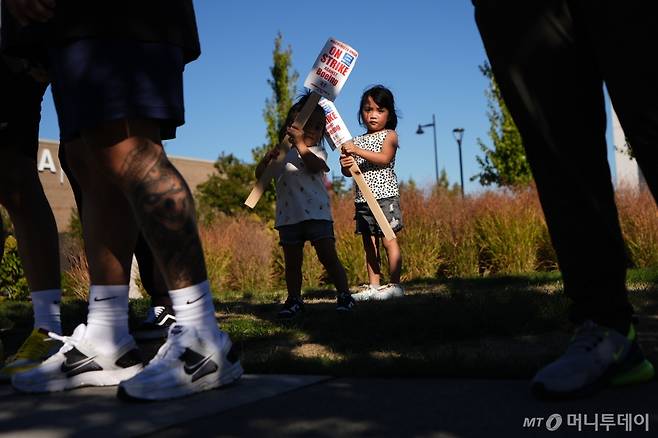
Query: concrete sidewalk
317	406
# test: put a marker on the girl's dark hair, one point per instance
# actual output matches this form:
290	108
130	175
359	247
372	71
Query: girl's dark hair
292	113
384	99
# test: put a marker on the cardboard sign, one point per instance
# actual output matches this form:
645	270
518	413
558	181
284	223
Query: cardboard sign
331	69
337	132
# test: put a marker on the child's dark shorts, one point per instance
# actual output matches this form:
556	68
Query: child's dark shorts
311	230
100	80
366	223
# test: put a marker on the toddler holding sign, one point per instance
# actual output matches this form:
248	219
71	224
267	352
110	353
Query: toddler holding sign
374	153
303	211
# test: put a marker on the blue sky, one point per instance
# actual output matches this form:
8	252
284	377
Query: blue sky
426	51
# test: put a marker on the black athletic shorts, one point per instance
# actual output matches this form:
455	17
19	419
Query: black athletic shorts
100	80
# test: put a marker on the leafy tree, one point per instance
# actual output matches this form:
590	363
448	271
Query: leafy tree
283	92
505	163
226	191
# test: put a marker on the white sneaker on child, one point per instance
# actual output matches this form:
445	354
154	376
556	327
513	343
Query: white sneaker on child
391	290
366	293
78	363
184	365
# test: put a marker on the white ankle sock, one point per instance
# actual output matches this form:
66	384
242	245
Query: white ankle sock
193	307
46	309
107	321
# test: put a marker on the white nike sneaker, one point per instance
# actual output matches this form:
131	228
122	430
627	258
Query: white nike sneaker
78	364
184	365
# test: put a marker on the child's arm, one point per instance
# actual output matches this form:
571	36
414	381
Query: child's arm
313	163
382	158
269	156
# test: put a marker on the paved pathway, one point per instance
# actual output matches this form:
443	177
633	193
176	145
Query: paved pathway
317	406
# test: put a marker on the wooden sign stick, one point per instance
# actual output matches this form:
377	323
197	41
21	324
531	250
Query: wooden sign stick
338	135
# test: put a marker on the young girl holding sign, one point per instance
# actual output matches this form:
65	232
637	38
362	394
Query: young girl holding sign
374	153
303	211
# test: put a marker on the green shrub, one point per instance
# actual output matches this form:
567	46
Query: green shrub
12	278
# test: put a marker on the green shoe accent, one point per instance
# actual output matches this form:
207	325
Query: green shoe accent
643	372
631	333
36	348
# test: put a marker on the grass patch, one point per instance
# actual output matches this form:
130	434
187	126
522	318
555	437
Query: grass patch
493	327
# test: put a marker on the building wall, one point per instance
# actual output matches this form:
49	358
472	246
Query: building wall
627	172
58	189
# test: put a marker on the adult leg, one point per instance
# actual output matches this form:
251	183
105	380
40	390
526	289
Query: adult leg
626	31
22	195
21	192
131	157
152	280
105	208
94	78
552	85
545	64
160	315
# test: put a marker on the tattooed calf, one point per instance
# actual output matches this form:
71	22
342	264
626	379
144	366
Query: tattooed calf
164	208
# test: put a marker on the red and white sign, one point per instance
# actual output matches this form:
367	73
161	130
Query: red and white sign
331	69
337	132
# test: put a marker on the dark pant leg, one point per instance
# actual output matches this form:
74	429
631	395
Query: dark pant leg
150	275
148	272
546	68
625	35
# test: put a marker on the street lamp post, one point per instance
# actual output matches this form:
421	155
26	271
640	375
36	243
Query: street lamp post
458	133
436	162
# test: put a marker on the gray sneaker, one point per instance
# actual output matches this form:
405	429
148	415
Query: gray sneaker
596	357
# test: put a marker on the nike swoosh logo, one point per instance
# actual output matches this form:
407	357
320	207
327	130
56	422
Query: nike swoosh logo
68	367
196	299
191	369
105	299
616	355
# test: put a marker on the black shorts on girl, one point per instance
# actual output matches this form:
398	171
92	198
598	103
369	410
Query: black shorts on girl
366	223
99	80
311	230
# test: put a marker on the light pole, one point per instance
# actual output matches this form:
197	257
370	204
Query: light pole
458	133
420	131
